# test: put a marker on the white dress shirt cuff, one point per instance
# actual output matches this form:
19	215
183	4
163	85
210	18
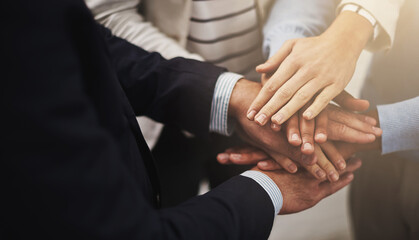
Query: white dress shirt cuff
270	187
219	121
379	33
400	124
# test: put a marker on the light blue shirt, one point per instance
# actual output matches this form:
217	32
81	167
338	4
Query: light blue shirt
400	124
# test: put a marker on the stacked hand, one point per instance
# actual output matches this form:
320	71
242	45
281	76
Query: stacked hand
333	124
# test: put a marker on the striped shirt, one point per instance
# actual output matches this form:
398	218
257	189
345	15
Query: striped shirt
228	34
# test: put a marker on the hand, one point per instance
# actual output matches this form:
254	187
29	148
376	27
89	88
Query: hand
333	123
274	144
301	191
249	155
304	67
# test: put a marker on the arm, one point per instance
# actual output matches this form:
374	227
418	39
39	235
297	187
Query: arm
181	99
72	180
386	13
68	176
291	19
123	19
400	124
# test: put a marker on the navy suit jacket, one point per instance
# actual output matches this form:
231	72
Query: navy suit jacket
74	164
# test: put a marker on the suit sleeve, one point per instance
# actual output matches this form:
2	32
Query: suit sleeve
63	174
178	91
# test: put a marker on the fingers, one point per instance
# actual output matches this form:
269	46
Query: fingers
301	97
285	163
270	93
328	188
347	101
316	171
241	156
273	62
293	131
352	165
320	135
353	120
340	132
268	165
326	165
307	135
321	101
333	155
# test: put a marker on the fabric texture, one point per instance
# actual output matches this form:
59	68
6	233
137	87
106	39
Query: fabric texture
400	122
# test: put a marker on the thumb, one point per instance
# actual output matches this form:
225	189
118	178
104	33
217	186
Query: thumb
273	62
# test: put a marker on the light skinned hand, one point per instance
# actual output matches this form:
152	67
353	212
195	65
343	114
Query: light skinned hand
302	68
301	190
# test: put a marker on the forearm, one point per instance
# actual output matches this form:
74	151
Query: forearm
350	31
400	124
182	99
291	19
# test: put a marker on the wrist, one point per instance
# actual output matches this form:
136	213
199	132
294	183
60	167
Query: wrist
241	97
350	24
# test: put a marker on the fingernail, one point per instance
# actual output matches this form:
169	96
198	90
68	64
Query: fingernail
377	131
370	120
341	164
295	137
292	167
261	119
350	177
371	137
251	114
321	136
223	157
307	146
306	159
320	173
235	156
333	176
275	127
263	164
278	118
308	115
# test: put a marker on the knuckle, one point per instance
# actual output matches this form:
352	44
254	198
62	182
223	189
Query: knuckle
342	129
270	88
285	93
323	100
303	96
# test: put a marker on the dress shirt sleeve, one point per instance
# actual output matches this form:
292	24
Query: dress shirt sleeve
386	12
270	187
291	19
400	124
219	122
